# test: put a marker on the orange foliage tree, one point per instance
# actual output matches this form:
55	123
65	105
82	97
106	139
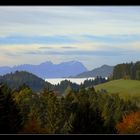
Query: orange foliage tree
130	124
33	127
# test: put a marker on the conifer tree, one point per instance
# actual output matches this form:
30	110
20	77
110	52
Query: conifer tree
10	119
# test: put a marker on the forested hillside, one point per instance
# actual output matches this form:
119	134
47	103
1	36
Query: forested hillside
17	79
81	112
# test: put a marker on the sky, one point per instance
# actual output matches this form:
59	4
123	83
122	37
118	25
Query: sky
93	35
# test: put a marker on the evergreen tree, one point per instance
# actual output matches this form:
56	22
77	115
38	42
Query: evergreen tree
10	119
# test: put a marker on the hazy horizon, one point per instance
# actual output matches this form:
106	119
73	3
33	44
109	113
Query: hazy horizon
93	35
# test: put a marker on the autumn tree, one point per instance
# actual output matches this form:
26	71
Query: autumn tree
33	126
23	99
130	124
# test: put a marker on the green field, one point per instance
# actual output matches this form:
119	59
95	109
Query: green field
125	88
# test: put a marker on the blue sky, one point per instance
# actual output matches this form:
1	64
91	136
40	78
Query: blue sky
93	35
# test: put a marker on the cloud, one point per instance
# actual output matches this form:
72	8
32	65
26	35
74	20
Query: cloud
80	42
46	20
79	53
90	33
79	49
36	40
44	48
119	39
68	47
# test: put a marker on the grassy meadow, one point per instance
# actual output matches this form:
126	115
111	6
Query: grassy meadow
125	88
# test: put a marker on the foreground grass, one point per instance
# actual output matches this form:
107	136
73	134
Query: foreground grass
125	88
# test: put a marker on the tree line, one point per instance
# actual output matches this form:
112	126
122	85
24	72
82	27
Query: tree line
67	84
127	71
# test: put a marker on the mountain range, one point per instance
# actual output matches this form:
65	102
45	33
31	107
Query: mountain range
48	69
72	69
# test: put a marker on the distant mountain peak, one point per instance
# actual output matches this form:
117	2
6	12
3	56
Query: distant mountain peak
71	62
75	62
105	66
47	63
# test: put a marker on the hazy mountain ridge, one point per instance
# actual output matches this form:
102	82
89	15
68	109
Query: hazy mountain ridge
103	71
48	69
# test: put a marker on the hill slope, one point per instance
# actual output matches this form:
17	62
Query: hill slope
125	88
103	71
